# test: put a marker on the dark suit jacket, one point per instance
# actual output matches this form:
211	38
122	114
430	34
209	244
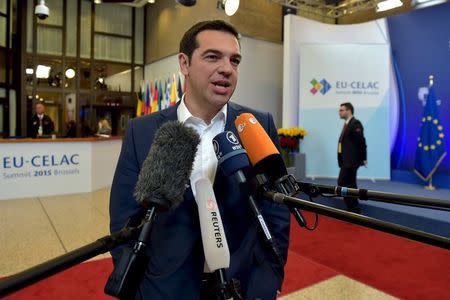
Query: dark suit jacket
354	149
175	251
47	125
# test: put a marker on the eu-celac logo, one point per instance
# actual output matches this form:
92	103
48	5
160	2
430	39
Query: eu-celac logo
320	86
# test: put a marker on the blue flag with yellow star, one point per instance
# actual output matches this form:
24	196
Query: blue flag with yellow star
430	147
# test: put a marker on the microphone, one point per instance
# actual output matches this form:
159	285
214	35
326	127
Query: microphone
161	185
232	159
266	158
215	246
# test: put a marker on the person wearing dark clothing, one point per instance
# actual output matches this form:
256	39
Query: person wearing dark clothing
352	152
41	124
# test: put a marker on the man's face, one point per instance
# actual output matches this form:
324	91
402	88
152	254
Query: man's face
40	109
343	112
212	72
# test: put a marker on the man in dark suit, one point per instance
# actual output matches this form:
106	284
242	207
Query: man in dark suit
352	152
209	58
41	124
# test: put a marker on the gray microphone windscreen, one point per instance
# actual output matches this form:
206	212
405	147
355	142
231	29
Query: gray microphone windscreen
168	166
215	246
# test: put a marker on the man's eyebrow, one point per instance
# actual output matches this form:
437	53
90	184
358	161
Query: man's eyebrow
218	52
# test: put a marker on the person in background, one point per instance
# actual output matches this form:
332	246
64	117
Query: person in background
352	152
209	58
71	129
103	127
41	124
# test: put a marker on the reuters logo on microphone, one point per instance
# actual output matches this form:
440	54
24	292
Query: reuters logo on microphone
252	120
210	204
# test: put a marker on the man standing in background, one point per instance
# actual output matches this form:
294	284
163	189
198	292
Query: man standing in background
352	152
41	124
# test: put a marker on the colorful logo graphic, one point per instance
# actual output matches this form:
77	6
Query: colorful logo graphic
323	86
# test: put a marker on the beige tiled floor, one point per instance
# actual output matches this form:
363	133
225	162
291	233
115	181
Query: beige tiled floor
35	230
338	288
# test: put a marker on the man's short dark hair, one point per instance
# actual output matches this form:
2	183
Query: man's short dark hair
189	41
348	106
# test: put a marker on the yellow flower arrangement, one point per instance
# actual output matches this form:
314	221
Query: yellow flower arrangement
290	141
295	132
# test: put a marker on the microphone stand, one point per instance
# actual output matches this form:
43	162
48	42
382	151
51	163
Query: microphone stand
63	262
403	231
227	289
314	190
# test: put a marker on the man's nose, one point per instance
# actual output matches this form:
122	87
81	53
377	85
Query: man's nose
225	67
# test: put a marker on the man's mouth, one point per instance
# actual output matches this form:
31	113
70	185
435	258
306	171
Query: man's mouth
222	83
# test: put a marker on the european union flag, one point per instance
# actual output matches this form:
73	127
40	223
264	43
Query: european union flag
430	146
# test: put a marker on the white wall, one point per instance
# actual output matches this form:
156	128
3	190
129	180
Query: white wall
260	75
298	31
345	58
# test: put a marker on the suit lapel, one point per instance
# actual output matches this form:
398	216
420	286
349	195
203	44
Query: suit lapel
233	112
169	114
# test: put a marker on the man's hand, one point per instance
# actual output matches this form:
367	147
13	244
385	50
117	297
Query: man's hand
365	163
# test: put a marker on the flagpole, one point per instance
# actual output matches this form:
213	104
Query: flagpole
430	186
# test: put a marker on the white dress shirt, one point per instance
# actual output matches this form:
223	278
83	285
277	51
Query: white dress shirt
205	163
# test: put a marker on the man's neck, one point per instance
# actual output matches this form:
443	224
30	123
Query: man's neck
204	113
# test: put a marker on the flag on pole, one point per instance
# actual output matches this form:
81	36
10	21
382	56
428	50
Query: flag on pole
140	100
430	146
179	89
173	92
148	106
160	94
156	104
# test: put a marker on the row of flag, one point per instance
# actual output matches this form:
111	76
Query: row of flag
157	95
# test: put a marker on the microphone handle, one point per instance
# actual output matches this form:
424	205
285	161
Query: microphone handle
315	190
270	241
227	290
399	230
129	269
222	284
298	215
288	186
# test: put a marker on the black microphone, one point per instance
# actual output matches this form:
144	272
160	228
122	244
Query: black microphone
232	159
161	185
266	159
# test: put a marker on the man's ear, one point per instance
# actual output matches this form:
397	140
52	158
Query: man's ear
183	60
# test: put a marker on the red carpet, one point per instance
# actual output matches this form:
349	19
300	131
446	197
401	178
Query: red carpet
302	272
400	267
84	281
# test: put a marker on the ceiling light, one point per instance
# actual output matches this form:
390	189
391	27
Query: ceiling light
97	1
425	3
389	4
70	73
29	71
231	6
42	71
186	2
151	1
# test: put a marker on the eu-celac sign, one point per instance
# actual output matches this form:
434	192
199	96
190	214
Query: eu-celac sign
34	169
